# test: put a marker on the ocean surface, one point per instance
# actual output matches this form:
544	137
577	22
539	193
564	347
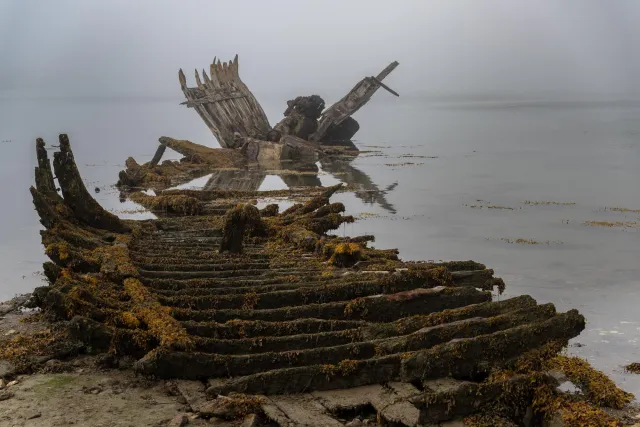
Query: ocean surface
545	193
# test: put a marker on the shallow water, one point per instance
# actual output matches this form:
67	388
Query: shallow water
438	181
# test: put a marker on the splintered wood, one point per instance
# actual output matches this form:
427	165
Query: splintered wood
225	104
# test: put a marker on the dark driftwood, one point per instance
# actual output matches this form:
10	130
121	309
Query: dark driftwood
76	195
158	156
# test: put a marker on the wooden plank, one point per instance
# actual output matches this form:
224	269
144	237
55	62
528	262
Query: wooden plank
351	102
226	104
213	99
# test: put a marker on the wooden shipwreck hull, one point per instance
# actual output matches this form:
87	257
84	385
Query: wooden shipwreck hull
262	302
232	112
234	116
225	104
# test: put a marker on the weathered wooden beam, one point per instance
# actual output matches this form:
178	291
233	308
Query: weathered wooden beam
214	98
384	86
351	102
158	156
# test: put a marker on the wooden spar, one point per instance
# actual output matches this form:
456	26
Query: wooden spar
226	104
352	102
384	86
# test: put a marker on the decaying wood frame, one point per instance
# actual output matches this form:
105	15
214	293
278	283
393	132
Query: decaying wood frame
233	114
225	104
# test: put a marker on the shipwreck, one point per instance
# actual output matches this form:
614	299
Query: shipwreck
307	132
256	311
265	312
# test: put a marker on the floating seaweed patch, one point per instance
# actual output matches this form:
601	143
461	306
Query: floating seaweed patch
497	207
542	202
612	224
364	215
623	210
130	211
633	368
598	388
403	164
416	156
521	241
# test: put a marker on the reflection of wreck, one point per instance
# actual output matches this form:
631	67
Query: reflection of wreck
223	101
300	175
364	187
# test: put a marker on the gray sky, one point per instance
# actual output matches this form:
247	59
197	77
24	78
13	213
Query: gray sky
135	47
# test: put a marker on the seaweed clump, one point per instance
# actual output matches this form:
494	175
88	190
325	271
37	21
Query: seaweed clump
598	388
633	368
345	254
171	204
241	220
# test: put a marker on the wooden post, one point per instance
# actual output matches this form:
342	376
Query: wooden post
158	156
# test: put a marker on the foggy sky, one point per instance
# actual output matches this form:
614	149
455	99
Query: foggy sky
294	47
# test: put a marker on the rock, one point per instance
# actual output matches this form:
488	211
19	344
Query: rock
569	387
355	423
31	414
193	392
250	420
558	376
2	384
554	421
91	390
5	395
6	368
10	332
222	423
528	417
220	407
300	409
179	421
12	383
52	363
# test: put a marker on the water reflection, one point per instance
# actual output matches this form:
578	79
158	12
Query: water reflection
297	175
365	189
